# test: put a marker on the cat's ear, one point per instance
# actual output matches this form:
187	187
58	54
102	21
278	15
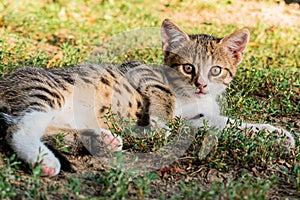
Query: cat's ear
172	36
236	43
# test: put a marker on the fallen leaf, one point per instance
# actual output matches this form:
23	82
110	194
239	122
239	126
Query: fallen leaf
58	57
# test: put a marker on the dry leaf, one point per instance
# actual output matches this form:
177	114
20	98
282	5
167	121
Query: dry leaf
58	57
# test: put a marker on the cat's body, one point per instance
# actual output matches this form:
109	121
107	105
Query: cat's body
200	68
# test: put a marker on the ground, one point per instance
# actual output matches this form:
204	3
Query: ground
240	166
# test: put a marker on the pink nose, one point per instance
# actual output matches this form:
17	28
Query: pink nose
202	86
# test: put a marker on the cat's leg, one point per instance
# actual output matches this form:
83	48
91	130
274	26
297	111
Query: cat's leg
25	139
222	122
161	105
290	141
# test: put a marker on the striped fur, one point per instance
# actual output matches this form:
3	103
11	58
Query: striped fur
198	69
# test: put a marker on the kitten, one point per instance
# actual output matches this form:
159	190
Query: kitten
209	64
200	67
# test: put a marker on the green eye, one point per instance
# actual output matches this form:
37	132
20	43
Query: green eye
215	70
187	68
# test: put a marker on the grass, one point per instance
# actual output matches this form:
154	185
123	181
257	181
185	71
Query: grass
266	88
245	187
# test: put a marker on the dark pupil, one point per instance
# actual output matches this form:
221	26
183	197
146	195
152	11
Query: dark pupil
188	69
215	71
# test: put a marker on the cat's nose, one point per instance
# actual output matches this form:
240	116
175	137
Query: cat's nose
201	83
200	89
202	86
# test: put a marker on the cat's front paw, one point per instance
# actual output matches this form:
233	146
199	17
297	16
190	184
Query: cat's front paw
100	142
113	143
281	134
289	140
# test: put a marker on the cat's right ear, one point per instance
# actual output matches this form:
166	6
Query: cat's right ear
172	36
236	43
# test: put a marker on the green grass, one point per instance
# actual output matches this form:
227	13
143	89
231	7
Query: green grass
245	187
266	88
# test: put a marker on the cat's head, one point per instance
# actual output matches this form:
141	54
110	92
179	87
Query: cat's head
209	63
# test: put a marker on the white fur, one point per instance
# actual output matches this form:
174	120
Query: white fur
77	113
209	108
26	141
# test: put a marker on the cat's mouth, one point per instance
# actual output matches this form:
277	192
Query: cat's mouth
200	92
201	88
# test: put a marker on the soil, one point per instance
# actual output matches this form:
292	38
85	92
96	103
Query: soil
242	13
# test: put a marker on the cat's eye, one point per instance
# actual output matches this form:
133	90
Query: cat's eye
215	70
187	68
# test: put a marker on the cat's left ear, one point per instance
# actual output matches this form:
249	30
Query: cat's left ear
236	43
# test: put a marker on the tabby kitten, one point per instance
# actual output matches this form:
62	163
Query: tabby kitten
209	64
200	68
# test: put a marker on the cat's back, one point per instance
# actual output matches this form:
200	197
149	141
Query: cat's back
96	87
39	89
